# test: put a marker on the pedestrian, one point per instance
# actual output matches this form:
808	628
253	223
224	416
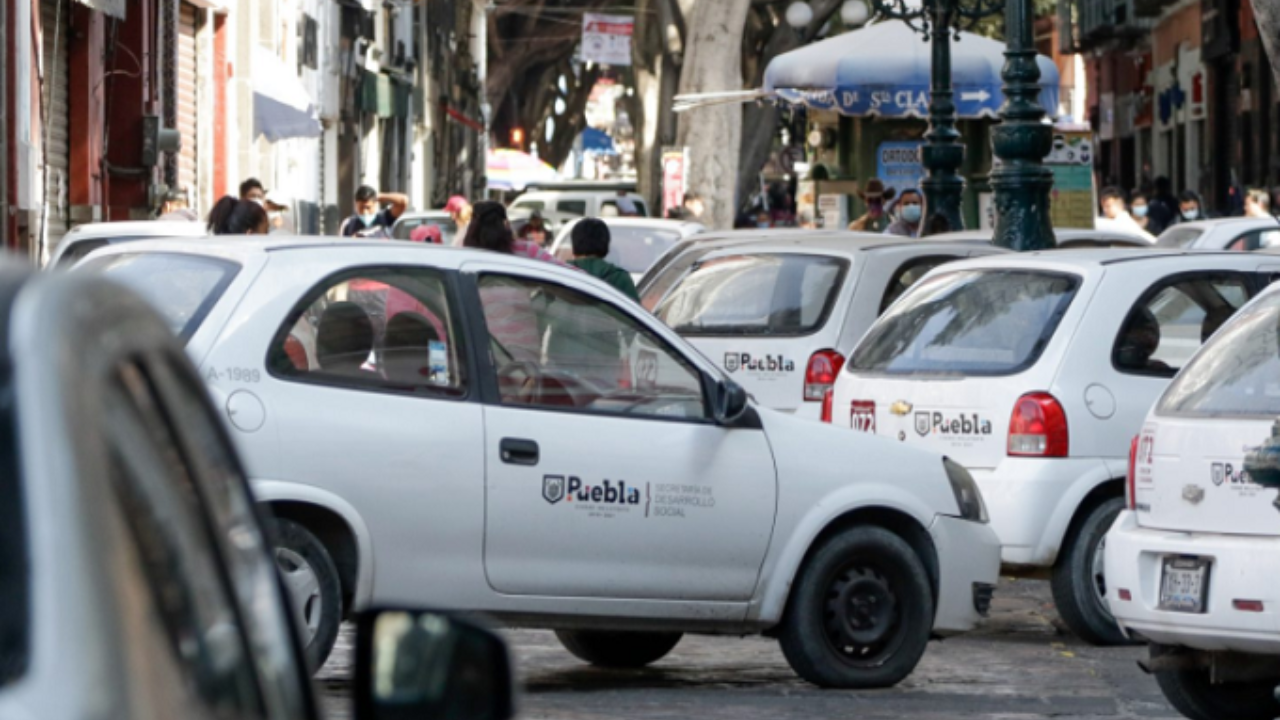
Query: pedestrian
174	201
1257	203
591	240
875	195
763	219
694	206
427	233
238	217
491	230
626	206
1190	206
907	212
372	220
252	189
459	210
1164	207
1140	209
534	230
277	205
1115	214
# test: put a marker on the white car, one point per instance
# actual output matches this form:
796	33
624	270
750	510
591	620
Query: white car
1222	234
84	239
635	244
1192	563
779	316
1033	371
414	219
581	199
1067	238
477	431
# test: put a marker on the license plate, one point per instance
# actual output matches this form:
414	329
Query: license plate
1184	584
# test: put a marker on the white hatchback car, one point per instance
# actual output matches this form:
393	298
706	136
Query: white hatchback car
1236	233
84	239
1193	561
477	431
635	243
779	316
1033	371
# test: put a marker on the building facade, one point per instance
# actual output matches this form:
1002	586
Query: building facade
111	104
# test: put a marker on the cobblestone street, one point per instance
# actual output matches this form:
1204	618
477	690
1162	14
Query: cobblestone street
1019	665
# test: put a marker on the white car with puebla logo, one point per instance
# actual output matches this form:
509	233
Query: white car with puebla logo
1194	559
779	316
1033	371
482	432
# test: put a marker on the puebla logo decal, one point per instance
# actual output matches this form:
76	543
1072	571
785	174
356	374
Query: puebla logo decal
731	361
553	488
764	365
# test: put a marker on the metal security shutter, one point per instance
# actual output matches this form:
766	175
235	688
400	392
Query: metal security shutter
188	112
55	18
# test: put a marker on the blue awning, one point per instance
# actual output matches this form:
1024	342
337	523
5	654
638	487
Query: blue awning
594	140
883	70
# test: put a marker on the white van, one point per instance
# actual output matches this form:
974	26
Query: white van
587	202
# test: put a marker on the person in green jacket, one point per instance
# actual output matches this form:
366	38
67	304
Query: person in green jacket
590	246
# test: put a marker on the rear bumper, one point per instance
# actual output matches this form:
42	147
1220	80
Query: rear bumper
1031	502
1242	568
969	563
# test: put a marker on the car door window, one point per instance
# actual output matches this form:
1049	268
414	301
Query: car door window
559	348
1169	323
1245	243
573	207
379	328
171	535
907	275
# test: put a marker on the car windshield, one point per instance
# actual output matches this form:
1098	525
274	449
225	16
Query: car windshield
14	582
1237	373
971	322
636	248
659	279
184	288
1178	237
758	294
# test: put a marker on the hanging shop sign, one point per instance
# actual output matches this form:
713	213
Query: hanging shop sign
675	171
606	39
898	164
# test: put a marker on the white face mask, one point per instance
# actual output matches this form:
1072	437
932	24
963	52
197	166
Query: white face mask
368	219
1191	214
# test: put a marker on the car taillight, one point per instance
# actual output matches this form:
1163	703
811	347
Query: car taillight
821	374
1130	491
827	400
1038	427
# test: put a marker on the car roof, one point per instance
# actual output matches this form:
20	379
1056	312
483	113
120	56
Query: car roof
136	228
646	222
1087	260
1061	234
843	243
1232	222
415	214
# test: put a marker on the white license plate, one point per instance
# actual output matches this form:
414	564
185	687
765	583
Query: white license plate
1184	584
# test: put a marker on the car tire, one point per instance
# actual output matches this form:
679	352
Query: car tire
860	613
618	649
1191	693
313	587
1079	581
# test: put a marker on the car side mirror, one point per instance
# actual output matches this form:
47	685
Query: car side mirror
730	402
424	665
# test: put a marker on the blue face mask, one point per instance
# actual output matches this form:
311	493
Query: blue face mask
1140	210
368	219
912	213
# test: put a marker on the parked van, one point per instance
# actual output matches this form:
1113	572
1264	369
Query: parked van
579	198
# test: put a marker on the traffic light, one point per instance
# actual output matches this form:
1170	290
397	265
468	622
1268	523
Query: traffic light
517	138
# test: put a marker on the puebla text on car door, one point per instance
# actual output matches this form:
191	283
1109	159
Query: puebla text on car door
606	476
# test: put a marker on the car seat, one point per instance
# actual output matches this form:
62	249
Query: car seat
406	351
344	339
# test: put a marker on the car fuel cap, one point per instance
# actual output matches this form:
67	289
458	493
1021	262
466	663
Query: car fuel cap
1100	401
245	411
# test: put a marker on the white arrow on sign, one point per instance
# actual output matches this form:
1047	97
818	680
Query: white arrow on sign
980	96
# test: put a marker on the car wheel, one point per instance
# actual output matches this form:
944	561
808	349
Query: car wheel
315	592
1191	693
861	612
617	649
1079	579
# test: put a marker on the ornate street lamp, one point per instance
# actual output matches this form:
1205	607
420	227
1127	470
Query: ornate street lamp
943	154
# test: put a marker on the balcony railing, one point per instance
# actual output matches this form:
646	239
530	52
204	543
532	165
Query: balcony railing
1094	22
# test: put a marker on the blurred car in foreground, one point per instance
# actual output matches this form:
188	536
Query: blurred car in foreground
136	578
1242	234
635	243
1068	238
1193	558
780	316
84	239
1033	370
502	435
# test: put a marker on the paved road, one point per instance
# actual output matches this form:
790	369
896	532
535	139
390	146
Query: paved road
1018	666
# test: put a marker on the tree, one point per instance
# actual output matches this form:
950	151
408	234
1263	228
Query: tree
657	49
1267	13
713	134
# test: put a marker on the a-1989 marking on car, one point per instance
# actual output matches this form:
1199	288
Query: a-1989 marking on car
481	432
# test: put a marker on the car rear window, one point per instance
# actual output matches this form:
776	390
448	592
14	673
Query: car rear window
635	249
448	228
1177	237
970	322
757	294
15	599
1237	373
184	288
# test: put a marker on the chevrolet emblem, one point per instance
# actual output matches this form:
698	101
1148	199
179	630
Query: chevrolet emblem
900	408
1193	494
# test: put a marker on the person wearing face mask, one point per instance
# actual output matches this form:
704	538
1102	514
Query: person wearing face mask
1116	217
1190	207
907	212
372	219
1140	209
875	196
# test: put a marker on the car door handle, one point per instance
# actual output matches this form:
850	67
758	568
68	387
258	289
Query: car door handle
515	451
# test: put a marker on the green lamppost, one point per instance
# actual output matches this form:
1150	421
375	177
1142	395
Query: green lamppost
1021	181
943	153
